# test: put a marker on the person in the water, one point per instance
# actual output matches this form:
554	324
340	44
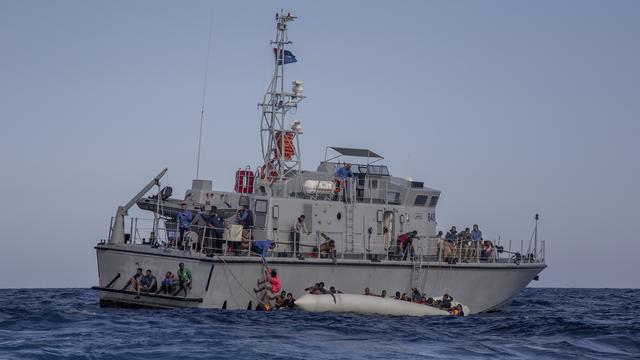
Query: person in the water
457	310
290	301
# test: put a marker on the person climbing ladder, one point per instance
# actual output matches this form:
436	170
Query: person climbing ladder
271	282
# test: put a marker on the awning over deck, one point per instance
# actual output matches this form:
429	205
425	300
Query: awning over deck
356	152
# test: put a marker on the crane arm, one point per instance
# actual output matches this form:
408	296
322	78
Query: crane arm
144	190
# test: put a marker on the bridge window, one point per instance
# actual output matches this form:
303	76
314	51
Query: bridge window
434	201
421	200
393	197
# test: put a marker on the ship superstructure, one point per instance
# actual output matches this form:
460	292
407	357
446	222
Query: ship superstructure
363	214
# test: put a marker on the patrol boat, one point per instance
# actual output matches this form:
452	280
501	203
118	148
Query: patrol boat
363	214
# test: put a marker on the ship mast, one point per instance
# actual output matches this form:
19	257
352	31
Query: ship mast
280	144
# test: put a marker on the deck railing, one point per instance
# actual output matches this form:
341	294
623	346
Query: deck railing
210	241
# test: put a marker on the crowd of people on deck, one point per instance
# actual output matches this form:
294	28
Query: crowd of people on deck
171	284
210	225
467	245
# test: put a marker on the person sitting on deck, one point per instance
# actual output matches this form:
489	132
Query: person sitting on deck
184	279
383	294
404	297
271	282
397	297
333	290
328	247
135	282
168	284
149	282
184	218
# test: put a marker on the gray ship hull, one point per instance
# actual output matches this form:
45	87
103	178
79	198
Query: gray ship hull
228	282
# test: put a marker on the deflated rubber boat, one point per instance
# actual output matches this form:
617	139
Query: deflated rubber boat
365	304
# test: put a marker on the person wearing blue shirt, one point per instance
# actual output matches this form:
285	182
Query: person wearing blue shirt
343	174
184	218
262	247
476	234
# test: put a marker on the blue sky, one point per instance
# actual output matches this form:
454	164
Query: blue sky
510	108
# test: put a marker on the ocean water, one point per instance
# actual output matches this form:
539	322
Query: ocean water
539	324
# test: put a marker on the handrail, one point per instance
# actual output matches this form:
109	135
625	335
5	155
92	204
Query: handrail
208	240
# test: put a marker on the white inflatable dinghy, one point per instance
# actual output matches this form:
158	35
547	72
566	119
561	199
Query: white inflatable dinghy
366	304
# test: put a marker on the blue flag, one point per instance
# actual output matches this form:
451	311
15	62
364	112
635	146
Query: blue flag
288	57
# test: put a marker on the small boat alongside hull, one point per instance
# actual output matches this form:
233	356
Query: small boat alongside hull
364	304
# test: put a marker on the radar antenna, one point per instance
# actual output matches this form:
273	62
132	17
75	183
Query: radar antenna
280	144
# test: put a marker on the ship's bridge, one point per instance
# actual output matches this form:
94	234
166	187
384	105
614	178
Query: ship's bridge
372	182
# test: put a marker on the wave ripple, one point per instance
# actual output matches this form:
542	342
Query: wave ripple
540	324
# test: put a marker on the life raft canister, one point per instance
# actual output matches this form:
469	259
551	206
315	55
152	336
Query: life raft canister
244	181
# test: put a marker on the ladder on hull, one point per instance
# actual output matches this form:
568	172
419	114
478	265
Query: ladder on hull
348	237
416	260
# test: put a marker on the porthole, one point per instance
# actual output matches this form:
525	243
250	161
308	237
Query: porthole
339	216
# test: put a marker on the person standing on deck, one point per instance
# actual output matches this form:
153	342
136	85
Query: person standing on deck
298	228
184	218
246	219
216	228
343	175
452	235
476	234
476	238
199	223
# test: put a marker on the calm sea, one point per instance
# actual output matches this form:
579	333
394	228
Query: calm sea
539	324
